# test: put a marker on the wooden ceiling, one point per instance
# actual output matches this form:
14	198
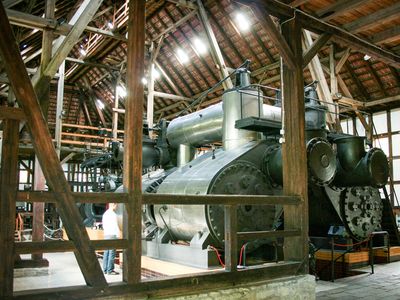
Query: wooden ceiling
94	75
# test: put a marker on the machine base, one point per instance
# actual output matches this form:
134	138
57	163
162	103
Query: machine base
182	254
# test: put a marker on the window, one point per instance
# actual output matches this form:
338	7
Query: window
380	122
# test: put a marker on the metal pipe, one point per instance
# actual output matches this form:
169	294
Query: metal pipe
205	126
185	155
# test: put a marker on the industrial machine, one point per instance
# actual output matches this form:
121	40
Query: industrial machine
344	177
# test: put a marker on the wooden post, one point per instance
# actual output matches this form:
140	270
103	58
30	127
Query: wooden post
294	147
39	180
47	156
38	208
133	141
8	194
230	238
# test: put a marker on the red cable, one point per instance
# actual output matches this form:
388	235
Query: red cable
240	256
218	256
351	245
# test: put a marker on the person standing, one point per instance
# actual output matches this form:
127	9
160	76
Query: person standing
111	231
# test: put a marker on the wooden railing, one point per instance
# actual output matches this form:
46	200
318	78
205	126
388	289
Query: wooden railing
229	276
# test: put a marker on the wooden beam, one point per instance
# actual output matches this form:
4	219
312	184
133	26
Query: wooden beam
387	36
294	158
315	47
220	199
8	190
254	235
231	238
297	3
22	19
67	158
284	11
65	246
11	113
317	74
339	8
173	285
342	61
47	156
374	19
132	179
174	26
215	50
11	3
275	36
62	48
382	101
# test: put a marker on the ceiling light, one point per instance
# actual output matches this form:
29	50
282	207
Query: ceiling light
121	91
156	74
182	56
200	46
100	104
110	25
144	81
367	57
242	22
82	51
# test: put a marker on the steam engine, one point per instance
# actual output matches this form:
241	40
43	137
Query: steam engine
343	176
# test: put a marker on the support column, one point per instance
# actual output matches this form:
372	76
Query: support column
294	147
8	194
133	141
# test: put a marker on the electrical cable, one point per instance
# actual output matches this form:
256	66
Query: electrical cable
165	223
218	256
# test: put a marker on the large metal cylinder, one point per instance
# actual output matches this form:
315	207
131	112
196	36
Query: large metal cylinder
321	162
225	172
205	126
358	167
196	129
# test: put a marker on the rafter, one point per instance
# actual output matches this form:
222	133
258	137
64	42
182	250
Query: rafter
338	8
273	33
374	19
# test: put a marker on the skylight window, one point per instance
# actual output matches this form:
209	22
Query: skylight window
121	91
242	22
182	56
82	51
200	46
156	74
100	104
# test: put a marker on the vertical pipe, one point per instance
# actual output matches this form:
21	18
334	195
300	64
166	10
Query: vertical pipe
150	100
133	141
59	109
115	112
185	154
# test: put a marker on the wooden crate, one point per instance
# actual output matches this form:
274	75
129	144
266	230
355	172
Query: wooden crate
350	258
381	255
